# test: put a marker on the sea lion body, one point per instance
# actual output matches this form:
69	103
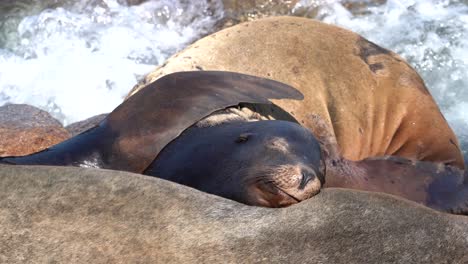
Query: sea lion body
374	103
69	215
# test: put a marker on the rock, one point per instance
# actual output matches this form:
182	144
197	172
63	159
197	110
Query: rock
131	2
236	11
64	215
25	129
81	126
372	101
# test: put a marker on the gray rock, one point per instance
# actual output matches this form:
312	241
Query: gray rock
237	11
70	215
81	126
25	129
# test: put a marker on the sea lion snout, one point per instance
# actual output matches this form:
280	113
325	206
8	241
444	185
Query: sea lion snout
306	183
286	185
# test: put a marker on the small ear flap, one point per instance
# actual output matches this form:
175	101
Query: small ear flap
161	111
244	137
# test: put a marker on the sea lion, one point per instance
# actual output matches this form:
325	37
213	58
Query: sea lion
76	215
134	133
374	103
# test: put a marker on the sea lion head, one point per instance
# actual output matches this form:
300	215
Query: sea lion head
279	163
265	163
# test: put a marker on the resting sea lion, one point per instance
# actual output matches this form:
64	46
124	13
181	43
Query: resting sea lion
132	135
374	103
70	215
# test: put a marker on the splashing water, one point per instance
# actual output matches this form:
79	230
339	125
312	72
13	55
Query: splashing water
80	59
76	59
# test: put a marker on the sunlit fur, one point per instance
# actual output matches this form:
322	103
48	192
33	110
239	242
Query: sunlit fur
229	115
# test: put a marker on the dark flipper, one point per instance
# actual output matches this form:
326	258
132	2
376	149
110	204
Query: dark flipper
136	131
449	193
441	187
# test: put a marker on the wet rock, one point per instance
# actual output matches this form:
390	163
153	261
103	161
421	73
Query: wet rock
25	129
81	126
236	11
64	215
131	2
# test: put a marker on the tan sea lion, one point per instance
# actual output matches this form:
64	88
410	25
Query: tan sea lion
373	101
76	215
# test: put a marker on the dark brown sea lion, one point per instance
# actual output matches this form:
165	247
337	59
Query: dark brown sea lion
132	135
374	102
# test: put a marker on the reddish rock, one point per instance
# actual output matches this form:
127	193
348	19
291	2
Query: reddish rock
25	129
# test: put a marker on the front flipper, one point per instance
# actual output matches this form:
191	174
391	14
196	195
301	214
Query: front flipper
441	187
449	192
136	131
160	112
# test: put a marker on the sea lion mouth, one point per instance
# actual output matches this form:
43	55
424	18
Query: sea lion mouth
287	194
285	186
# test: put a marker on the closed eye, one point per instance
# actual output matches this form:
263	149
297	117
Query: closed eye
243	137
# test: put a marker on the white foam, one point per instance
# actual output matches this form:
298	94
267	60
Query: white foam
81	60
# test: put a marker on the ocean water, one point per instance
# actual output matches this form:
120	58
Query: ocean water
76	59
79	58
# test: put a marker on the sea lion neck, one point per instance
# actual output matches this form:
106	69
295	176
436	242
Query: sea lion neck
379	175
340	172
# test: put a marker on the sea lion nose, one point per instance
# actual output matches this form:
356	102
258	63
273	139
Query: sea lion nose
307	176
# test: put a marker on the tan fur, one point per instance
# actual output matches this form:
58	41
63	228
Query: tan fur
375	103
229	115
75	215
280	144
